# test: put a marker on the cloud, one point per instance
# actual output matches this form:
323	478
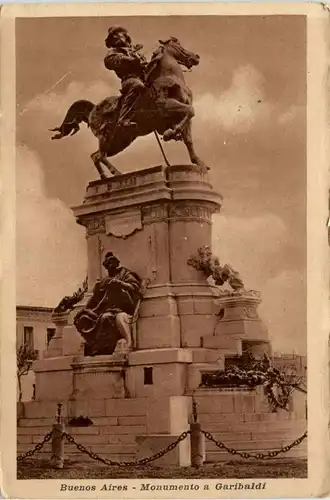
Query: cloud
250	244
284	311
254	247
50	108
54	103
51	253
239	107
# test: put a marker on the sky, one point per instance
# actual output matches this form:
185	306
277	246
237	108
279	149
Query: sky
250	128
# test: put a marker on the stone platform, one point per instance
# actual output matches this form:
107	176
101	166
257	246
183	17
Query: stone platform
126	429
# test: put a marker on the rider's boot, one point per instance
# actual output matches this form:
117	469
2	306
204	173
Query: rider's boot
128	104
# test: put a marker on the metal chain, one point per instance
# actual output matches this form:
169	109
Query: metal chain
258	456
35	449
142	461
161	453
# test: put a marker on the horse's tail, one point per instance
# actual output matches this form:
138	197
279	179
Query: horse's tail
78	112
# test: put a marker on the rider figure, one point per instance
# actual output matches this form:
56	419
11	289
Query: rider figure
129	66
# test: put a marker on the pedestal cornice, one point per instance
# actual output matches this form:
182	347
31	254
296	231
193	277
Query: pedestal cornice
181	191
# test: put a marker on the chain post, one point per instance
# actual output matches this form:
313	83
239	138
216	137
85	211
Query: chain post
194	410
59	413
57	457
197	445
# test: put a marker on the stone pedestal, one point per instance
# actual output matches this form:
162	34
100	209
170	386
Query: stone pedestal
239	326
158	372
55	347
153	220
99	377
54	378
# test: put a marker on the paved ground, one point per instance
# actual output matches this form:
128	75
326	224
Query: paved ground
280	468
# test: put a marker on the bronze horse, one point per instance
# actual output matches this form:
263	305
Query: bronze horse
165	107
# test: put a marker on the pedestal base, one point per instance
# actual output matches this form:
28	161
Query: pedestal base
54	378
99	377
158	372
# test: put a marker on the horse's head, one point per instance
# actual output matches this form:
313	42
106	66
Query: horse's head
173	47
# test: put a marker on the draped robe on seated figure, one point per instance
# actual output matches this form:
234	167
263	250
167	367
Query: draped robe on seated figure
107	316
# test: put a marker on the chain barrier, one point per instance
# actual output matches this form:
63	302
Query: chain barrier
164	451
141	461
258	456
36	448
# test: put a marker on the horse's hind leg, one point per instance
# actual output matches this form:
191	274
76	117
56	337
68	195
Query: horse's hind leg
104	153
97	158
112	169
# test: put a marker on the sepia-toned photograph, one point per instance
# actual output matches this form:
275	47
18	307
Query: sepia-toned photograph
161	252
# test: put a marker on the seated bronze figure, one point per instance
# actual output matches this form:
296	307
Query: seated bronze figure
107	316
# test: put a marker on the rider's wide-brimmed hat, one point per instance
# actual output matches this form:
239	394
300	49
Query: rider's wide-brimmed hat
112	31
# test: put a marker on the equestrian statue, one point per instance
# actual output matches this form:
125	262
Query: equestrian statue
154	98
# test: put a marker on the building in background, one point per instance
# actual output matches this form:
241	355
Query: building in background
34	327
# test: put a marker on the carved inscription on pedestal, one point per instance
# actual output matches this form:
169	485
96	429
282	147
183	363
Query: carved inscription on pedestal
155	213
178	211
190	211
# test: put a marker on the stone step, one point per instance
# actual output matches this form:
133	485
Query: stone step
77	456
81	457
245	417
256	427
93	408
105	449
97	421
33	431
40	426
123	429
223	456
236	401
278	416
91	430
84	439
36	422
230	436
24	447
251	444
44	409
41	431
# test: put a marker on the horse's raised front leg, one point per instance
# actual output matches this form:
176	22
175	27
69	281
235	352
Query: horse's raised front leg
178	111
179	128
187	139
